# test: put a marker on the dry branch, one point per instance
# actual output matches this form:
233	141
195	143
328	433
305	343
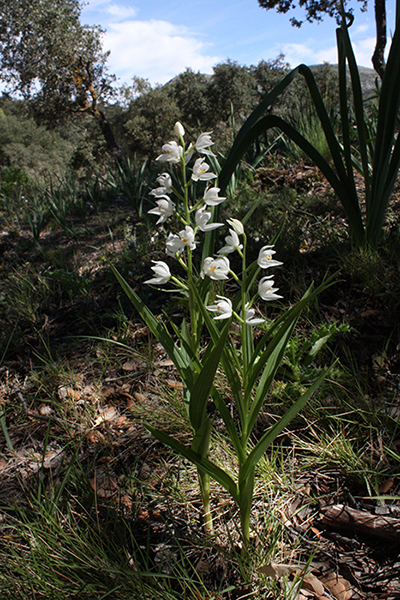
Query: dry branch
344	517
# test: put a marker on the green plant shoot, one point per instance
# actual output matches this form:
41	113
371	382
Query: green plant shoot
250	369
377	159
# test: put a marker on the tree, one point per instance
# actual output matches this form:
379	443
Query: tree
50	59
316	9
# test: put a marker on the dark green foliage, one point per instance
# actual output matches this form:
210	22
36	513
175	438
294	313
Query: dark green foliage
50	58
315	10
31	147
191	93
149	121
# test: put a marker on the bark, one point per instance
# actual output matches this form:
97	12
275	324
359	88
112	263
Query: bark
344	517
108	135
378	57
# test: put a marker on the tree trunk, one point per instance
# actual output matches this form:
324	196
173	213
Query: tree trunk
109	135
378	57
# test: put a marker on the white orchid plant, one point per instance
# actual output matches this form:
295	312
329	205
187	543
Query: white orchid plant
249	369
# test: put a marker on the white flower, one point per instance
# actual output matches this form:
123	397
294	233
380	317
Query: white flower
174	245
223	308
249	317
202	217
203	141
164	209
211	197
215	268
200	169
236	225
162	272
189	153
232	243
265	259
266	289
165	182
187	237
178	129
172	153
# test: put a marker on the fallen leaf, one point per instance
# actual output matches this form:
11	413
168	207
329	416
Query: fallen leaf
165	363
130	366
73	393
277	570
312	583
108	414
338	586
385	487
174	384
62	392
95	436
371	312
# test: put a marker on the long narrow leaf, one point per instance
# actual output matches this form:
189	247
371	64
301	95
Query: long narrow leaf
180	361
270	436
342	188
204	381
222	477
229	423
201	438
270	359
358	103
229	358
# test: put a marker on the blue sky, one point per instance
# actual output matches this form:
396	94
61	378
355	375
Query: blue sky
157	39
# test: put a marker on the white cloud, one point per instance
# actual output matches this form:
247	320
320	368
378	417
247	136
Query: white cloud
308	54
362	28
364	50
155	50
121	12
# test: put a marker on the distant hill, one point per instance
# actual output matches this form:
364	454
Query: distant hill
367	77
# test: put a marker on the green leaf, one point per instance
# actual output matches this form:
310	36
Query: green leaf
270	436
205	379
319	344
229	357
180	360
220	476
201	438
229	424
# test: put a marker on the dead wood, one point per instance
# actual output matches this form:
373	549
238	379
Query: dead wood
344	517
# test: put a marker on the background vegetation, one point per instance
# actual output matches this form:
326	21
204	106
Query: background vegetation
91	506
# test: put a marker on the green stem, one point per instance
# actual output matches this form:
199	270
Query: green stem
246	491
204	481
244	326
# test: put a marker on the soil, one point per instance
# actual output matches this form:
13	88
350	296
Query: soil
113	438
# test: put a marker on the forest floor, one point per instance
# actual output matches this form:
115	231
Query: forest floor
79	375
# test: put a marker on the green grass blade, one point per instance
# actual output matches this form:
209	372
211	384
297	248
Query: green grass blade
5	433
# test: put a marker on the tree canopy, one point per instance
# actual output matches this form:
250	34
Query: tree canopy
315	10
50	59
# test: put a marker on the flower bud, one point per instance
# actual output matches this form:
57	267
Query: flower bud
236	225
179	130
